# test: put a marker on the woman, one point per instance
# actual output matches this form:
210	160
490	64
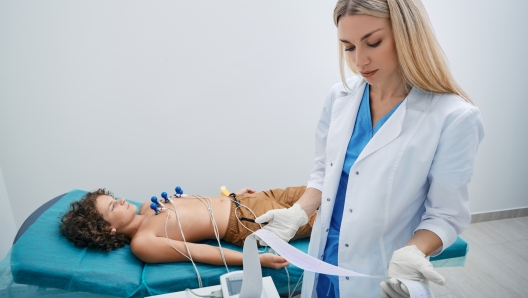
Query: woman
395	149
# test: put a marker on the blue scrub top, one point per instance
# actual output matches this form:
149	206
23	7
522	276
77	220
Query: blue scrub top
328	285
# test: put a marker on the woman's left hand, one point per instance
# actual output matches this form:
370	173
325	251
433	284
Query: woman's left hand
408	263
244	190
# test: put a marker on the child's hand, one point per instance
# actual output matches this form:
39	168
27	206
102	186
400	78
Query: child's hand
245	190
273	261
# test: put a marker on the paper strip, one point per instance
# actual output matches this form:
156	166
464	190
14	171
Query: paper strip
300	259
417	289
253	272
252	278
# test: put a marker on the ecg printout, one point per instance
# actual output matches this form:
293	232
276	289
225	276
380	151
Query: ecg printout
309	263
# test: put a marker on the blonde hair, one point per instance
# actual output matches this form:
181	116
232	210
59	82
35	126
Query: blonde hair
422	61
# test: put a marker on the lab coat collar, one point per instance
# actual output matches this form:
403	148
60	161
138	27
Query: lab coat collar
393	127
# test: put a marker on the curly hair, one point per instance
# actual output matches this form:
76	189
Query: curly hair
85	226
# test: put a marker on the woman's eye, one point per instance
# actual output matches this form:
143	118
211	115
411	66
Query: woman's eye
350	49
112	207
375	45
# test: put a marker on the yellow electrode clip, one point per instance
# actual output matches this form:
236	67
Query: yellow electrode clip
224	191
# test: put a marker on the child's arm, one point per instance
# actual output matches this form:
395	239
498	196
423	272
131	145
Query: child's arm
157	250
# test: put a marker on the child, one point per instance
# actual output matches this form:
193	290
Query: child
100	221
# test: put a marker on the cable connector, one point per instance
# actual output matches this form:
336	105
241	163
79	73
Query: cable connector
226	193
216	294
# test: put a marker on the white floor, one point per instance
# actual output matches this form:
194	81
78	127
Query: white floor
496	264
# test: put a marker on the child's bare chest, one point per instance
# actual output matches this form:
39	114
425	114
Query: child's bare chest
188	218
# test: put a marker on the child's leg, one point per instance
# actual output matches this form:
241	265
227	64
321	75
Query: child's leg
264	201
237	229
288	197
285	197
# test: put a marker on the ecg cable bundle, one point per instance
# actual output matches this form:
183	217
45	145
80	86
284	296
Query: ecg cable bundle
158	206
154	206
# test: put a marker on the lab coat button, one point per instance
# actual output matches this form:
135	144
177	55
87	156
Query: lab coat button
346	244
357	173
331	164
350	210
327	230
347	278
328	199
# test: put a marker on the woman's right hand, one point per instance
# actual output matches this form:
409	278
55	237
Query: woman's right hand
273	261
284	223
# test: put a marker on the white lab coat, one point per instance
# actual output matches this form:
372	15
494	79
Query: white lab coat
413	174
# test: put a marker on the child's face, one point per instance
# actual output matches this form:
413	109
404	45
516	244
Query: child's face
118	213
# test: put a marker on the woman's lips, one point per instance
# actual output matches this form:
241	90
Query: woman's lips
368	74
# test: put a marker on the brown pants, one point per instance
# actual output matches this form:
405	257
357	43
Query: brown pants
260	203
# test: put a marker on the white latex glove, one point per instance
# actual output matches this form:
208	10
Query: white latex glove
408	263
284	222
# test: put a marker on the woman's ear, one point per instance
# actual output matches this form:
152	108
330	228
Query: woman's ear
113	231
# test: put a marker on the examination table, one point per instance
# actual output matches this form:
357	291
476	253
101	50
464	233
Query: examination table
44	263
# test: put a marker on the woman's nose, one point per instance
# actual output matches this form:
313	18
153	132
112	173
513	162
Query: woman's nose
361	59
122	201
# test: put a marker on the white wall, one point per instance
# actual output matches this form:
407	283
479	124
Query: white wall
7	222
138	96
486	44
